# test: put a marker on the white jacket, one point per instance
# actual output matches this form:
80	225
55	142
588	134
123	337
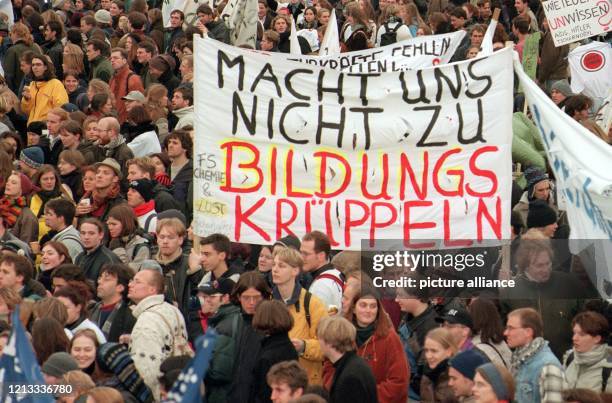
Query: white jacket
327	289
154	337
145	144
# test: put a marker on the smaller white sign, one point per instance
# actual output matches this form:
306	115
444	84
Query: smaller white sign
574	20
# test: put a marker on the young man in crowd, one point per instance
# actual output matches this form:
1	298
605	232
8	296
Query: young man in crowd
124	81
159	330
112	314
214	253
538	374
52	47
144	53
287	380
180	279
95	255
140	199
65	273
16	273
306	309
461	371
459	323
353	378
215	307
175	32
143	168
100	66
30	160
55	118
207	25
327	281
523	10
180	148
182	107
59	215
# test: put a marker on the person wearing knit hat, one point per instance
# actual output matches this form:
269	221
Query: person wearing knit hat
115	359
30	160
161	68
538	184
542	217
140	199
35	133
461	370
493	384
56	366
14	207
103	17
560	91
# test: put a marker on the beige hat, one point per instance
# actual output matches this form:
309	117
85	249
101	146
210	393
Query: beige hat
103	17
134	96
112	164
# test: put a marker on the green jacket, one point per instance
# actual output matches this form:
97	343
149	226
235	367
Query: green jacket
527	146
101	68
12	71
227	322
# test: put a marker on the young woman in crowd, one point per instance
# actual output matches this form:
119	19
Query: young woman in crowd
356	31
75	298
14	205
50	185
156	103
588	364
493	384
162	163
54	254
69	167
48	337
439	347
265	263
44	93
488	331
83	347
126	240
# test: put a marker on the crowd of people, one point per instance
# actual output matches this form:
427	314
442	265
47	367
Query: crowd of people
97	249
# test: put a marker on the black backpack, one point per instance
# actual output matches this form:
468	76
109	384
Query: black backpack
390	35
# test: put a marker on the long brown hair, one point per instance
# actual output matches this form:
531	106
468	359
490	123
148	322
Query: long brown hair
48	337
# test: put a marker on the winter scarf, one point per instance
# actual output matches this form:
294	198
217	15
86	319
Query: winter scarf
163	178
100	199
114	143
10	209
73	181
144	208
522	354
364	333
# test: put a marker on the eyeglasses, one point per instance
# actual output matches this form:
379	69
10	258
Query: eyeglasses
509	328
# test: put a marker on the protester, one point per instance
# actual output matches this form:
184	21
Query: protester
488	331
54	254
439	347
95	254
83	347
127	240
75	297
493	384
287	380
353	380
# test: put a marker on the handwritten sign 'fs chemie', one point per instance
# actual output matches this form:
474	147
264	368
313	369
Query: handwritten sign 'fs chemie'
574	20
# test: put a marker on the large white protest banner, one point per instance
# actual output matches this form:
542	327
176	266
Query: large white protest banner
581	163
573	20
288	148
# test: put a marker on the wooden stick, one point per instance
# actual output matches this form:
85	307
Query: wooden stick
496	14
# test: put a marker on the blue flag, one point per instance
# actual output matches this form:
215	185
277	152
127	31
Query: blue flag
187	387
19	370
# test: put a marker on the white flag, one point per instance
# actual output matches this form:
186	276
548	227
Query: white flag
330	45
486	48
240	16
6	6
294	41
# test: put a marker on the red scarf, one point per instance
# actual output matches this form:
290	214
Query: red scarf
163	178
10	209
144	208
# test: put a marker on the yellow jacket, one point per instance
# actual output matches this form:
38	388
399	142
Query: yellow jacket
35	206
46	95
312	359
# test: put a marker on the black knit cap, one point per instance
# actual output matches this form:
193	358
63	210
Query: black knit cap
37	127
144	187
540	214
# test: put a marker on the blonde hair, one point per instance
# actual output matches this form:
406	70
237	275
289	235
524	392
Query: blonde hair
173	223
81	382
444	338
338	332
289	256
73	58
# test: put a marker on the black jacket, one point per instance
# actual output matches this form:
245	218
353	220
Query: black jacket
92	262
122	322
181	184
51	153
274	349
353	381
55	51
164	200
249	343
170	81
180	284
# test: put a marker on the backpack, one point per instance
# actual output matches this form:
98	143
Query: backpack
390	35
307	307
605	371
